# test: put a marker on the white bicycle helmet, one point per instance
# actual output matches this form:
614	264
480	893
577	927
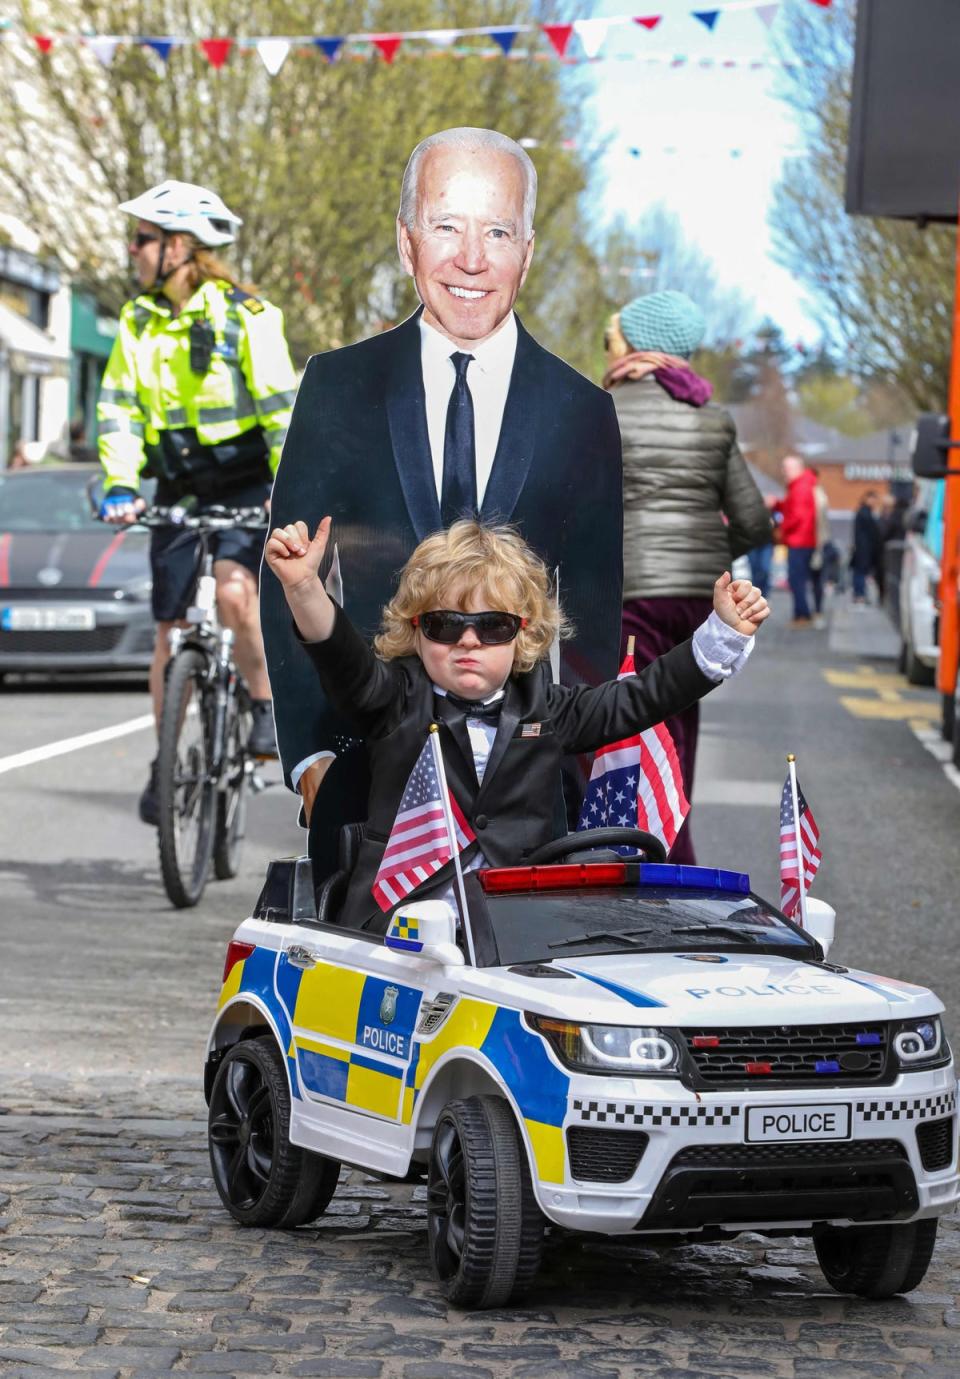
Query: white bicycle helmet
188	209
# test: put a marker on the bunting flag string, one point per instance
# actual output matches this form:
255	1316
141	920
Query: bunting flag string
590	34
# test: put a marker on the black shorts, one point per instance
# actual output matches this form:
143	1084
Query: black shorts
175	555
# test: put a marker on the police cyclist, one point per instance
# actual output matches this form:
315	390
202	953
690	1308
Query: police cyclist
197	392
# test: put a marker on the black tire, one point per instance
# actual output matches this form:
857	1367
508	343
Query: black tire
262	1179
948	719
483	1230
231	822
915	670
876	1261
186	796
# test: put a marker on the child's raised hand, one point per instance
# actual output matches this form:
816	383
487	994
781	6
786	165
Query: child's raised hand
291	554
740	604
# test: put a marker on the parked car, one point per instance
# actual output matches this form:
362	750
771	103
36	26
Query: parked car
74	594
614	1046
919	585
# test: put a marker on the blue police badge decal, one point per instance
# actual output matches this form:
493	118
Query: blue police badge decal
388	1006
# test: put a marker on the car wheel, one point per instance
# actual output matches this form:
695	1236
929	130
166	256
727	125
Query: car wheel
262	1179
484	1238
914	669
876	1261
948	717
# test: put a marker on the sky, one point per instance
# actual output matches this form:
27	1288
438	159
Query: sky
722	201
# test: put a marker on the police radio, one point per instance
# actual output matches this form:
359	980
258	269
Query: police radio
202	340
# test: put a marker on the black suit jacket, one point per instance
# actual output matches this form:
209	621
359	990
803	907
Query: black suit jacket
358	449
513	810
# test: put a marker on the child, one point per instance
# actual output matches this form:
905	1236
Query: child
464	643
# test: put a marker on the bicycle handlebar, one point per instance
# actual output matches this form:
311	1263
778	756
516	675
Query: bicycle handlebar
216	518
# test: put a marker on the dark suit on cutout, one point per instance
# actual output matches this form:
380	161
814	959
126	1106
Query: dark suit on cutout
358	449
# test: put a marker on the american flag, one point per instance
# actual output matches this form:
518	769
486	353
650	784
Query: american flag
418	845
809	838
636	783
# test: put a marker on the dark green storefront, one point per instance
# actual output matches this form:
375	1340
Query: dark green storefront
91	340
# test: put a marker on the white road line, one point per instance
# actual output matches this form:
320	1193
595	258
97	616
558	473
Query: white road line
74	744
942	751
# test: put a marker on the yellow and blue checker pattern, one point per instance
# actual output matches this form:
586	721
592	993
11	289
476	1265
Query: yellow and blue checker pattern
404	933
255	976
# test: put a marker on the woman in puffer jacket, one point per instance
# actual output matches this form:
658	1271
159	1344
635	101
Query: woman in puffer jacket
690	505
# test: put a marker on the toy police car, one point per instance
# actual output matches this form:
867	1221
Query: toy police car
608	1044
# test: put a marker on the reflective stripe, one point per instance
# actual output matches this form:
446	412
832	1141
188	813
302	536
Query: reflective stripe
276	402
275	438
119	397
141	315
122	425
176	416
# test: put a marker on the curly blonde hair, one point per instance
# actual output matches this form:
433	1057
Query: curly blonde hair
449	566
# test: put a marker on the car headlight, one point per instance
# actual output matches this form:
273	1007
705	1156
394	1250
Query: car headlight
920	1041
634	1050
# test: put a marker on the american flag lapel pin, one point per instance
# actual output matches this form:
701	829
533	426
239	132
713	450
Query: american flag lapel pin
530	730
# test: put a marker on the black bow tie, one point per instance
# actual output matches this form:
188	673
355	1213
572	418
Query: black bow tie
475	708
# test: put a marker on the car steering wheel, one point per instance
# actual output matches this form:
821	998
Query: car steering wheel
597	838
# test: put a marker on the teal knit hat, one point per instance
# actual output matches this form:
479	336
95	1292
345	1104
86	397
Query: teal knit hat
665	321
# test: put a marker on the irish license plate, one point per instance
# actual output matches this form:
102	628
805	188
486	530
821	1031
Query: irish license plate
784	1123
48	618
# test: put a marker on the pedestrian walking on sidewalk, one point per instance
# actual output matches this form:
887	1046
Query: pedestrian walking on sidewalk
690	505
798	532
867	547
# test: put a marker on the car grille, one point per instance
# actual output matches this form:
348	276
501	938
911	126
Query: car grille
845	1054
935	1142
809	1152
604	1156
98	639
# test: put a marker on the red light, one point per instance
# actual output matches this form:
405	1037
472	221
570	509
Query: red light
758	1067
236	952
571	875
706	1041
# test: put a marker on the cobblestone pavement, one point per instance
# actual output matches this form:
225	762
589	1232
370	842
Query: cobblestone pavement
116	1259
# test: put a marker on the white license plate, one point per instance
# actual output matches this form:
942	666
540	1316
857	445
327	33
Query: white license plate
48	618
783	1123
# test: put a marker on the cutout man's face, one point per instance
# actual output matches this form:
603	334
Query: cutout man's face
467	254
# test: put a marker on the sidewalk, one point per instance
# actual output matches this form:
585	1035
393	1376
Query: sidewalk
861	630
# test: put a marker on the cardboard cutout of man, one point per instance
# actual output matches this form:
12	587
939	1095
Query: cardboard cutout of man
457	411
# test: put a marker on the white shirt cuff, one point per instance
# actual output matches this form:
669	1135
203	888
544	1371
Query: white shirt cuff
301	766
718	650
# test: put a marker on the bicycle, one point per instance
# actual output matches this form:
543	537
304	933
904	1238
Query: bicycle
204	768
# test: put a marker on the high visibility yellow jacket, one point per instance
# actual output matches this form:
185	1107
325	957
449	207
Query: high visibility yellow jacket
149	386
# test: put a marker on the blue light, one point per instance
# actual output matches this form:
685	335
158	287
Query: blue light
827	1065
694	878
870	1038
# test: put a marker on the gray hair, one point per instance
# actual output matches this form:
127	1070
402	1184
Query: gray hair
468	138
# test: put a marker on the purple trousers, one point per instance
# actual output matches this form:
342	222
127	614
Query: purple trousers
658	625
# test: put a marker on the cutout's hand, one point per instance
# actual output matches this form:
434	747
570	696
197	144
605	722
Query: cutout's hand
739	604
292	556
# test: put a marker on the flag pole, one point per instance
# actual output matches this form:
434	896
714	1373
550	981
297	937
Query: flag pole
452	837
801	866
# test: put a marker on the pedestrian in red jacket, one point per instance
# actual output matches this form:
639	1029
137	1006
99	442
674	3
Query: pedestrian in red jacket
798	532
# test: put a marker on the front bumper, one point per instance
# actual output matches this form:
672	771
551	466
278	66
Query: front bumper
651	1156
121	639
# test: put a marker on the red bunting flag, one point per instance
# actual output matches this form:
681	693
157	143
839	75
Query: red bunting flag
650	22
559	36
824	4
43	43
387	45
217	50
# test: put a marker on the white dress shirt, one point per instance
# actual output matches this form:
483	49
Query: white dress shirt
488	378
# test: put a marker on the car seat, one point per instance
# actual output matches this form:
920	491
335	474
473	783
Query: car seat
333	889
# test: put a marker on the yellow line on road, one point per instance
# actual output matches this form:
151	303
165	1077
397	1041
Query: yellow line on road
905	710
864	679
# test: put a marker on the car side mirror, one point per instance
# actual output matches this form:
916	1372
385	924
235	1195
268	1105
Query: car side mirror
428	929
930	444
821	922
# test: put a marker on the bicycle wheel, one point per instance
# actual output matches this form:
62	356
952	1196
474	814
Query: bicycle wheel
186	795
231	822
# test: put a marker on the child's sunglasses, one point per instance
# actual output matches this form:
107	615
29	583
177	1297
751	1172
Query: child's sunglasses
448	626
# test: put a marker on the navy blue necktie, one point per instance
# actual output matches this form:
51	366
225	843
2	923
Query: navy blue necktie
458	491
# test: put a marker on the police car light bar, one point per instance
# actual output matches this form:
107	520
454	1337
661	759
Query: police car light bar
581	875
696	878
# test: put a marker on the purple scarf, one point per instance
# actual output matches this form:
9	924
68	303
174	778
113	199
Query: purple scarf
684	385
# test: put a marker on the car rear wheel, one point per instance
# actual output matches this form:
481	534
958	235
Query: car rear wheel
876	1261
262	1179
914	669
484	1229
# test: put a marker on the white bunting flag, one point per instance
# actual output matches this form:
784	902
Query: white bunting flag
767	13
443	38
103	49
592	34
273	53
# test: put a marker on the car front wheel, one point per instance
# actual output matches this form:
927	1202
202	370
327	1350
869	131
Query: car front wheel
262	1179
876	1261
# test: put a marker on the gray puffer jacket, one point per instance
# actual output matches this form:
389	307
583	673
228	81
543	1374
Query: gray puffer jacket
682	468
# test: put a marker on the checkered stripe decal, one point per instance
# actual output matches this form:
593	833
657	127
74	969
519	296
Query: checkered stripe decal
629	1113
908	1108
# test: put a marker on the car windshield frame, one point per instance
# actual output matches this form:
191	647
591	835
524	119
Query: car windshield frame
689	933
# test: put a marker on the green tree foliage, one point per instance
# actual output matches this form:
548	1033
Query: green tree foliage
883	289
311	158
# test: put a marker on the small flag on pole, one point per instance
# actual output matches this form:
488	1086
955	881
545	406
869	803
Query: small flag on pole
637	783
419	844
799	839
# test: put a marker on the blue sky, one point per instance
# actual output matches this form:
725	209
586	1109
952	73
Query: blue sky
702	114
